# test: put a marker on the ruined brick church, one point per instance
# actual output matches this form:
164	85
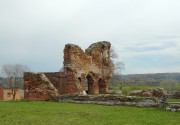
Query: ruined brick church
83	73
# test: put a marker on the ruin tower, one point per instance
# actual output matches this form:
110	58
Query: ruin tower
93	66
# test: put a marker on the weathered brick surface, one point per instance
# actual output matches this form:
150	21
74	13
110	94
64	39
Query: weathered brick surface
93	65
58	79
38	87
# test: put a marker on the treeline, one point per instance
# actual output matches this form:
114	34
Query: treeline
156	76
151	79
169	81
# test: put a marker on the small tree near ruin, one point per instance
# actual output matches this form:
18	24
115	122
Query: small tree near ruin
119	66
14	76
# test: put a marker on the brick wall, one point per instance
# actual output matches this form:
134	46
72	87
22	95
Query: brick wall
93	65
1	92
38	87
58	79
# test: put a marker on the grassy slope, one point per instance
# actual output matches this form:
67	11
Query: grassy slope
173	100
52	113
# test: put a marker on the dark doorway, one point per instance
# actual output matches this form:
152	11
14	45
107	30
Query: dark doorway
100	85
90	84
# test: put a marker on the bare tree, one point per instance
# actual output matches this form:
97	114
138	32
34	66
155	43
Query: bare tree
14	76
113	54
119	66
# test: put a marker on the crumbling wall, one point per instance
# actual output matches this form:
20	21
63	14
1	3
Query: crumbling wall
94	65
58	79
38	87
75	67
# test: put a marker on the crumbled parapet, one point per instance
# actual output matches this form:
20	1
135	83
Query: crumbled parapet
38	87
155	92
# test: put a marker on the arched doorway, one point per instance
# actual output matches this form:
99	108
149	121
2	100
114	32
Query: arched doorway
78	85
86	85
90	84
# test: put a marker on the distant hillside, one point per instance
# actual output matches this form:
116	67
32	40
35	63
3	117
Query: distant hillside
156	76
147	79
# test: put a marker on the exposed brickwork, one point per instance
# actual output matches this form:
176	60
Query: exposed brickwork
1	93
38	87
58	79
93	65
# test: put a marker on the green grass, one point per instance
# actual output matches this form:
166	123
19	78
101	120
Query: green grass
173	100
55	113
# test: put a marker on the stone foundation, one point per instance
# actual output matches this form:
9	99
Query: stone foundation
111	100
173	108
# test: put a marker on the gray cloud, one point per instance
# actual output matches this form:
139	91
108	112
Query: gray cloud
156	45
35	32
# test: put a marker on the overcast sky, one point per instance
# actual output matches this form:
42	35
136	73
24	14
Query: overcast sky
145	33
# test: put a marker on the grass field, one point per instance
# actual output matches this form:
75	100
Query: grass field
55	113
173	100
